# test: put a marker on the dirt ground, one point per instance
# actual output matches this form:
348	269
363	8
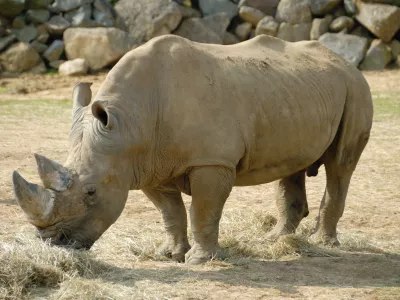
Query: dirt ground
35	117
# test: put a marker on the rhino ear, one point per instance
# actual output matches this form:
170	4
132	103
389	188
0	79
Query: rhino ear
101	113
82	94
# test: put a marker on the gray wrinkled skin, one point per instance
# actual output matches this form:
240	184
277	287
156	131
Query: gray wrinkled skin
176	116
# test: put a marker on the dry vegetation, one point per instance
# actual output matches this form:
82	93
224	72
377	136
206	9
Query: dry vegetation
122	264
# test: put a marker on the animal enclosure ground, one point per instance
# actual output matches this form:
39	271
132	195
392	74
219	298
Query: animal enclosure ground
121	265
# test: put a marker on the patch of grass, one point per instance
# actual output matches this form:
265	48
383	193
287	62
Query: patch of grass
386	106
35	108
3	89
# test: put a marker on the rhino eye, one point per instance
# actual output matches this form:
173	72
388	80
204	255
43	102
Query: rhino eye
91	191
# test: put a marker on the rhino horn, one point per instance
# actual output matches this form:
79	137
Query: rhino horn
36	201
54	176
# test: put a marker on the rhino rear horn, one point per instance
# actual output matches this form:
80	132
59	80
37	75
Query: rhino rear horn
82	94
36	201
53	175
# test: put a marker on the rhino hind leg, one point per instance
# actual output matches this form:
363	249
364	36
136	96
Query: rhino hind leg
338	176
210	187
169	201
292	204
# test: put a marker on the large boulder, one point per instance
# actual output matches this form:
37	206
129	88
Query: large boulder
104	13
6	41
26	34
144	19
381	19
74	67
350	47
54	51
36	4
37	16
212	7
98	46
377	57
267	26
268	7
57	25
67	5
80	17
342	23
320	26
294	32
294	11
251	15
19	57
209	29
322	7
11	8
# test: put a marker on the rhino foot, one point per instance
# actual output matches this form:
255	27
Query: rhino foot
324	239
197	255
173	251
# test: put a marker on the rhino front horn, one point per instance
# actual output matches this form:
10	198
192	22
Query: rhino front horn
35	201
54	176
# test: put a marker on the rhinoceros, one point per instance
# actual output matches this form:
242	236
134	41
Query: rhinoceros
175	116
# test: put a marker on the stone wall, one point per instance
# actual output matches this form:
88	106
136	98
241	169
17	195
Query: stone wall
77	36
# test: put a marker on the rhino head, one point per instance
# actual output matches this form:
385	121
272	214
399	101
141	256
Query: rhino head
80	200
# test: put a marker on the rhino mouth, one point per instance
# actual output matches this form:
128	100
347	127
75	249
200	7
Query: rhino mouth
64	239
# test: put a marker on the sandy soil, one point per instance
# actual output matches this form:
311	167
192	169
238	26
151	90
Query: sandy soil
367	266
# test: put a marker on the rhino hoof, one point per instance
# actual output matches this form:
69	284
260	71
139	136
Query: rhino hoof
324	239
174	252
196	255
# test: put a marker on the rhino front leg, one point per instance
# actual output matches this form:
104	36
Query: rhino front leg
210	187
291	201
169	202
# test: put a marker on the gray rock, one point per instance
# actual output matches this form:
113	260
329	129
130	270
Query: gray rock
54	51
361	31
208	30
395	49
320	26
57	25
341	23
19	57
243	30
18	22
267	26
391	2
40	68
74	67
26	34
294	32
322	7
67	5
381	19
251	15
377	57
79	16
43	37
36	4
98	46
37	16
188	12
39	47
268	7
143	18
56	63
352	48
212	7
104	13
6	41
350	7
11	8
230	39
294	11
